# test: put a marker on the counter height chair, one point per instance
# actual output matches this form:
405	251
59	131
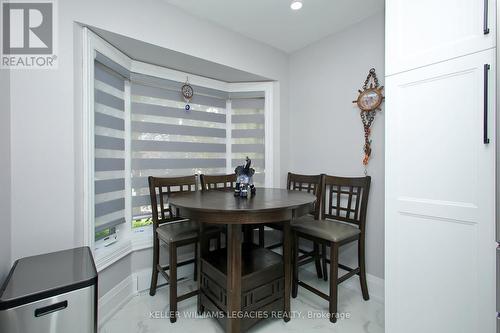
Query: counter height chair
173	230
309	184
218	182
228	183
343	220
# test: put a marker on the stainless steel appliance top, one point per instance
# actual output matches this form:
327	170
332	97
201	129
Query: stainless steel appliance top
42	276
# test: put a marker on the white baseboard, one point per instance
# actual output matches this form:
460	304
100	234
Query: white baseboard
129	287
114	299
375	286
139	281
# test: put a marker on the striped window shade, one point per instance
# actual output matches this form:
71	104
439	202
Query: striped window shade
109	145
167	140
247	132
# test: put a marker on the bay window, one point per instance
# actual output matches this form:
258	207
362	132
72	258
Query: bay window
139	127
109	153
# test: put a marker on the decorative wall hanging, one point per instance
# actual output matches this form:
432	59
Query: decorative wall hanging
369	101
187	93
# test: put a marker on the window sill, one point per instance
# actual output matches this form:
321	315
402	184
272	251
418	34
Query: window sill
139	240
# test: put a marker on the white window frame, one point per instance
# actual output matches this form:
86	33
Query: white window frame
130	240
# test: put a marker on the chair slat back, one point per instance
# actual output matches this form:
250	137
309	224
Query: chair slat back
346	199
160	189
218	182
309	184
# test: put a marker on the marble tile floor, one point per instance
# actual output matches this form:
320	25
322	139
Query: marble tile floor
359	316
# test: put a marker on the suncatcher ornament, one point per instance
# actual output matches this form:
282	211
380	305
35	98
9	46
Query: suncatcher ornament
187	94
369	101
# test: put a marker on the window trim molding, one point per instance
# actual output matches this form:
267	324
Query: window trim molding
128	240
269	116
92	44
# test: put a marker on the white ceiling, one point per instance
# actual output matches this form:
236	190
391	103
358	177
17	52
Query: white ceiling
156	55
274	23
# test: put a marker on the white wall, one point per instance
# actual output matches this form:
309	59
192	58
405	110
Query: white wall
45	114
45	118
326	134
5	221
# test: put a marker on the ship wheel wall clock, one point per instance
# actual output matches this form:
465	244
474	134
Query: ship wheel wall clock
187	93
369	101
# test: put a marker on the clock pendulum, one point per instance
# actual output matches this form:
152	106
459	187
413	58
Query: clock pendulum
369	101
187	93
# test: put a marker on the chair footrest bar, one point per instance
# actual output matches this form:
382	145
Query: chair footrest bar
186	296
306	252
166	283
314	290
163	269
164	274
179	264
274	246
344	267
348	275
304	256
301	262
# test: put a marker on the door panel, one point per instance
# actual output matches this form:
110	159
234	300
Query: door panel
437	293
440	241
419	33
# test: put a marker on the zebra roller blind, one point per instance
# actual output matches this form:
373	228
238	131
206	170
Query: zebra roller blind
248	132
167	140
109	145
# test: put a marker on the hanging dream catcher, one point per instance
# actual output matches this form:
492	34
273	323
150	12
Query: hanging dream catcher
187	94
369	101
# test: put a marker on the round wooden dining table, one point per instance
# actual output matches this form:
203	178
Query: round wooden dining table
222	207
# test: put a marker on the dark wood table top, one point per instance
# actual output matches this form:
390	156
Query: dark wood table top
268	205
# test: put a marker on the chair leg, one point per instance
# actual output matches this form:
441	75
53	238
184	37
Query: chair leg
156	261
334	271
199	255
195	276
225	237
362	268
218	243
317	260
261	236
323	256
173	282
295	264
247	234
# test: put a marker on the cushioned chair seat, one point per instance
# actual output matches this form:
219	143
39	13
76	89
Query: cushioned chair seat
177	231
331	230
279	225
181	230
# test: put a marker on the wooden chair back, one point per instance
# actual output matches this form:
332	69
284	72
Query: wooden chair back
218	182
310	184
160	189
346	199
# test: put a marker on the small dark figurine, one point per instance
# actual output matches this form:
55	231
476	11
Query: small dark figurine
244	180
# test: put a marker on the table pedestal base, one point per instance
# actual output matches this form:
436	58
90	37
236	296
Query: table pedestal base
262	287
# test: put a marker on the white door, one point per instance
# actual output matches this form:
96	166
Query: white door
424	32
440	240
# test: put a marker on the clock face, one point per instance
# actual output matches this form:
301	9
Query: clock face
369	100
187	91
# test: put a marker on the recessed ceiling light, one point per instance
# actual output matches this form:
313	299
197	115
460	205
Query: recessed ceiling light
296	4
